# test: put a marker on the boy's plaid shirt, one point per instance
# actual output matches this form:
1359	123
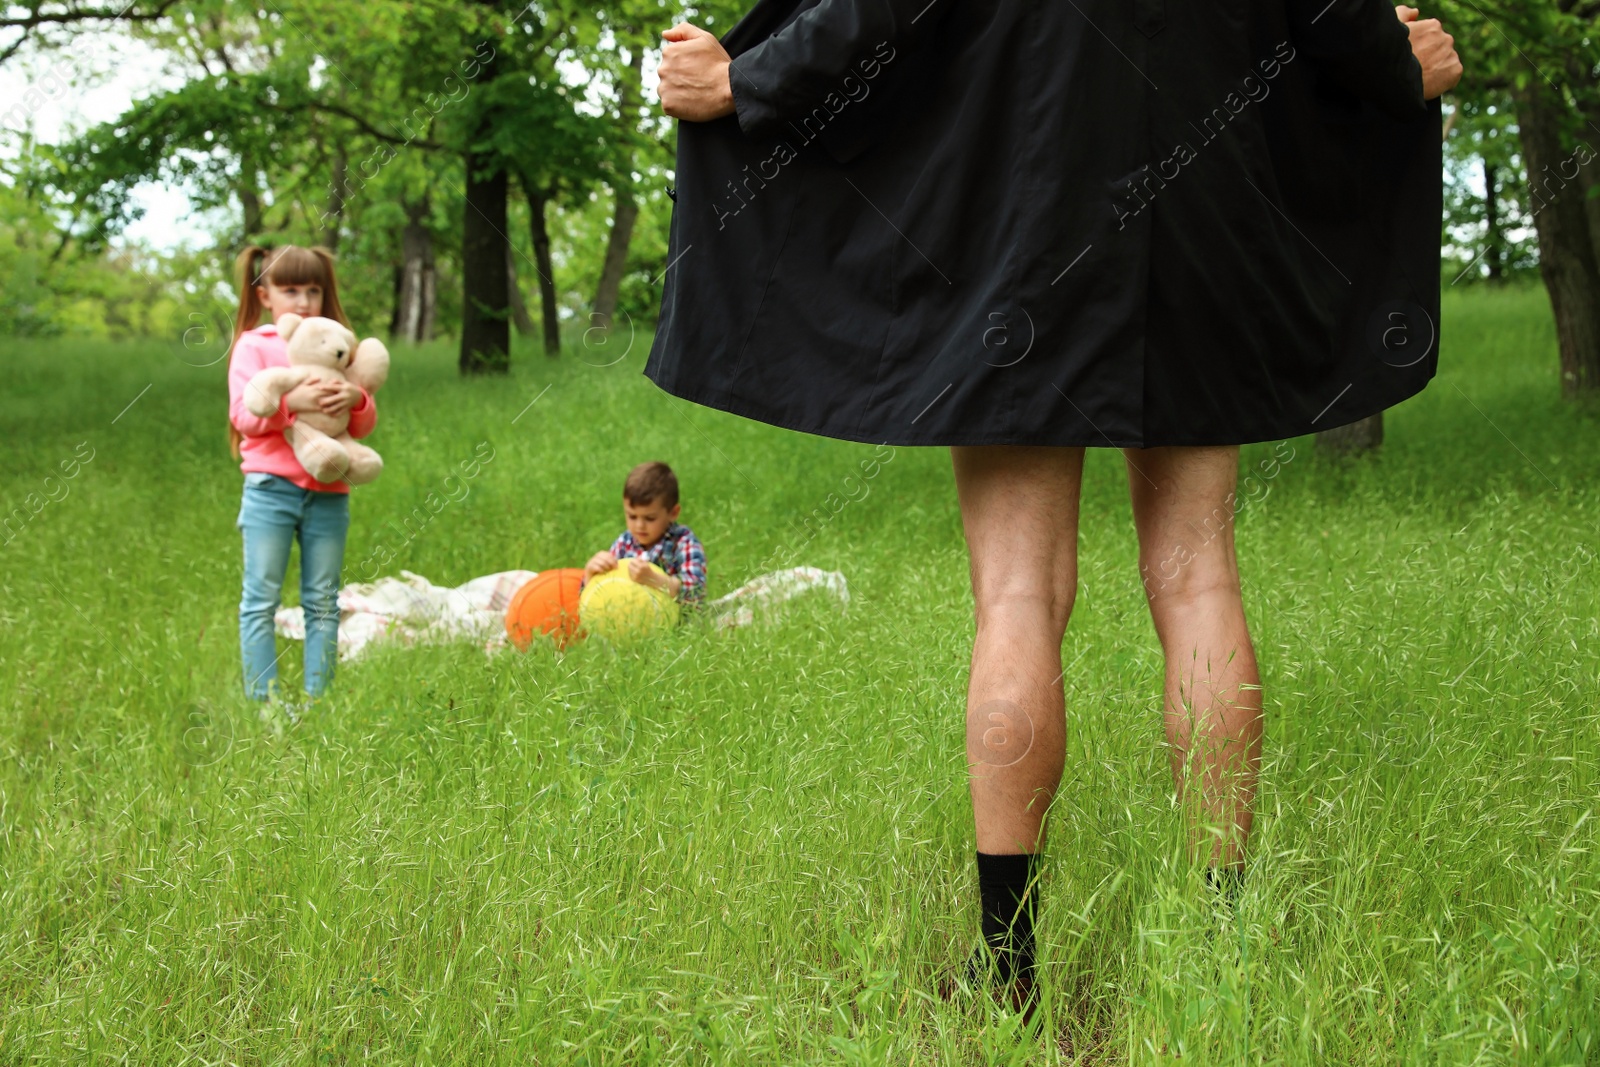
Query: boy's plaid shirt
679	553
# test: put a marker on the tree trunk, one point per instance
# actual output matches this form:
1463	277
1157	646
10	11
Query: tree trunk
616	261
1588	98
541	263
1364	435
519	306
627	208
485	322
333	217
249	200
414	296
1494	251
1567	256
397	301
1591	196
485	317
430	282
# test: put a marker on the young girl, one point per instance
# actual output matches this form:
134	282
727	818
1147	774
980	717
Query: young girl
281	500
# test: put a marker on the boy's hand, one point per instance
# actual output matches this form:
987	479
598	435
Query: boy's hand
639	570
599	563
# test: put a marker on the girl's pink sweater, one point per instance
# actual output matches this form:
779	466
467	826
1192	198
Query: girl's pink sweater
264	447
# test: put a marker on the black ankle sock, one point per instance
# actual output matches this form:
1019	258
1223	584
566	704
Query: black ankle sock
1226	880
1009	897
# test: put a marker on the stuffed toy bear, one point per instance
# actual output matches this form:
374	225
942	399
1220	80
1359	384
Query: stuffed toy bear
324	349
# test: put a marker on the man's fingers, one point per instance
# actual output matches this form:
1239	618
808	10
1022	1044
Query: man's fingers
1406	14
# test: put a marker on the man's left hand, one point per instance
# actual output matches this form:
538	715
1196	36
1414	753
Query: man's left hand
693	75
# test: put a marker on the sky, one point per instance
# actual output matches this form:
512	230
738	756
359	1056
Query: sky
94	82
91	83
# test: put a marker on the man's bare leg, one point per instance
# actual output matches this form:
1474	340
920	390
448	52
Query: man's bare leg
1019	511
1183	508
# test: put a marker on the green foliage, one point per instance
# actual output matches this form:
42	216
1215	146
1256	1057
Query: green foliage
1484	136
194	136
1511	49
50	286
529	124
301	125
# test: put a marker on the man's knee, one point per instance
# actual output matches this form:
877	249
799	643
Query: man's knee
1192	591
1027	599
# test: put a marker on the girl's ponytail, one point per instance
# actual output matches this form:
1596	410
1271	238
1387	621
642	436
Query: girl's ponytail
248	268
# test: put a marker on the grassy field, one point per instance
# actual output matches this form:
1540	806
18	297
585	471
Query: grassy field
754	846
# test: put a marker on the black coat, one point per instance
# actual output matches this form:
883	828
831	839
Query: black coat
1063	222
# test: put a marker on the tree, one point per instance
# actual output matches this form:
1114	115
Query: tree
622	184
485	304
299	122
41	23
1488	228
1545	55
525	123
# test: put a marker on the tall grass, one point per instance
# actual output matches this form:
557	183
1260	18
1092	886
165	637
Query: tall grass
754	846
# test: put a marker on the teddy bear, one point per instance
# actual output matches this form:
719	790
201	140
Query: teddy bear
323	348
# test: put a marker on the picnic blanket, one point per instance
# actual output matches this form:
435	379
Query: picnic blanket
411	610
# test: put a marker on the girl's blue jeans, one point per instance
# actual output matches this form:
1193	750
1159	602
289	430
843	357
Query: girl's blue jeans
274	512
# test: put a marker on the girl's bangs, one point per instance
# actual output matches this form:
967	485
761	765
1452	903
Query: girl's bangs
294	266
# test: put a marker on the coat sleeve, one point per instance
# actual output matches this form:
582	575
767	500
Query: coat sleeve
826	54
1363	47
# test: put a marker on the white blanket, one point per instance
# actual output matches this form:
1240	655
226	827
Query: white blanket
412	610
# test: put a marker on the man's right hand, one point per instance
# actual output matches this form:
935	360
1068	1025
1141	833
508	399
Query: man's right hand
1435	51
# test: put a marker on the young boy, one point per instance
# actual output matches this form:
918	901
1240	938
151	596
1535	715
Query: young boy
650	505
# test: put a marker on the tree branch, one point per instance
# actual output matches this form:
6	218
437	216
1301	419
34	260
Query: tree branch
38	17
15	46
362	124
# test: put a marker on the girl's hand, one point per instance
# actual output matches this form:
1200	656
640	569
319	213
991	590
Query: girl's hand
339	397
307	396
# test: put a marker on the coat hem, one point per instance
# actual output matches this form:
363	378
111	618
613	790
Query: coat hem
755	412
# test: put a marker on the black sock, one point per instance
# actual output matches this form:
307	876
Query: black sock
1009	899
1226	880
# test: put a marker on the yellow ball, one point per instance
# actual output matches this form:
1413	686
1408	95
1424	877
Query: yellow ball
621	610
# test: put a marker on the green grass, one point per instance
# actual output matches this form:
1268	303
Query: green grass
754	846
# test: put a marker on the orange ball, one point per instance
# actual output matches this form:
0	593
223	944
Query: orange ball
548	604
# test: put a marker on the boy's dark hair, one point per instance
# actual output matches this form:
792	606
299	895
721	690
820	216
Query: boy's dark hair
650	482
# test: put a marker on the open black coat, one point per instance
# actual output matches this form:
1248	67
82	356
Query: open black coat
1062	222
